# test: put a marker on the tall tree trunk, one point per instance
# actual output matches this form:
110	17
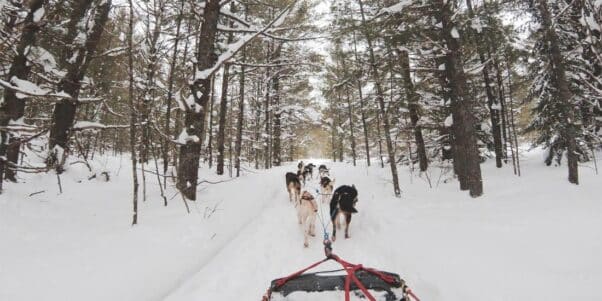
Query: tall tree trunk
241	117
502	98
77	62
257	139
149	93
351	125
364	122
210	126
13	108
277	132
172	71
230	138
267	108
381	101
492	102
333	132
178	118
414	108
361	96
465	142
380	139
133	115
563	93
194	117
340	132
223	110
513	135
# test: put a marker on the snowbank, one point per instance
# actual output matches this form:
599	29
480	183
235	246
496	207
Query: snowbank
530	238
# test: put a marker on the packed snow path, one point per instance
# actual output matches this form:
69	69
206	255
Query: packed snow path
533	238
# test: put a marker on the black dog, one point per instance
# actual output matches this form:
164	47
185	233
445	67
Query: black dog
308	172
293	185
323	171
342	203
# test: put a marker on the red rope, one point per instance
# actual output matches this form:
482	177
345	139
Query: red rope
282	281
409	291
351	269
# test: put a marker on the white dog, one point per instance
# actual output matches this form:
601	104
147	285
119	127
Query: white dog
306	213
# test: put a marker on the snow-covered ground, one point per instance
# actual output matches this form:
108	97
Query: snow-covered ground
530	238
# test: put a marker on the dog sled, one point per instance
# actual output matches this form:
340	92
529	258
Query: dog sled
363	282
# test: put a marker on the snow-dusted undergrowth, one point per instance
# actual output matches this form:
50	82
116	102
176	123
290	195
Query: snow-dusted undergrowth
530	238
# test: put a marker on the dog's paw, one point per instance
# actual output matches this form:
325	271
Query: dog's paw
305	245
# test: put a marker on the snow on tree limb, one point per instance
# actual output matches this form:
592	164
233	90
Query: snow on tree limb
396	8
27	88
237	46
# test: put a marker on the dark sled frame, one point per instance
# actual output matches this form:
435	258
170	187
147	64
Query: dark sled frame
321	282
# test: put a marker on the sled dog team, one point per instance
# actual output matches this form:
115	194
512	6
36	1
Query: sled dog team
342	200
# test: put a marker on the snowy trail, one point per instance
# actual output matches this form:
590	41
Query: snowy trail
529	238
272	244
508	245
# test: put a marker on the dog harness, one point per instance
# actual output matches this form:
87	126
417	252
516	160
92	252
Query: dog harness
308	197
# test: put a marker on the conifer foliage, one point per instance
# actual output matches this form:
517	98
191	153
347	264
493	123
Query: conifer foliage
441	85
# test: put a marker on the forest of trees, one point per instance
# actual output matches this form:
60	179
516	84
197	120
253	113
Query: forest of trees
181	85
427	83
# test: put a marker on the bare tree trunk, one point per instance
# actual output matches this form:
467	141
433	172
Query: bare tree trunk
514	136
414	109
504	110
277	132
465	147
178	118
492	102
364	123
172	71
210	126
340	134
77	61
267	106
148	95
223	110
257	123
151	69
380	139
13	108
133	114
241	117
230	125
381	102
351	125
194	118
333	132
362	107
